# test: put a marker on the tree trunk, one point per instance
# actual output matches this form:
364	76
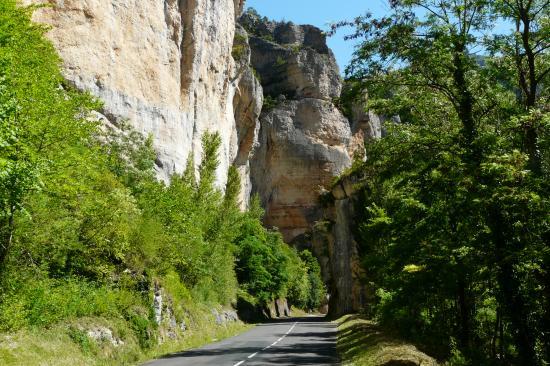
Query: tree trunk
512	298
465	99
6	238
464	316
494	338
530	100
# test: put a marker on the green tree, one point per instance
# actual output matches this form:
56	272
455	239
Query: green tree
521	58
40	120
18	171
452	205
317	290
259	263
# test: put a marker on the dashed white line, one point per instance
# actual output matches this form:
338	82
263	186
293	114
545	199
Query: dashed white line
271	345
290	330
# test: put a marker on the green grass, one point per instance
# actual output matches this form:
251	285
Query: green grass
362	342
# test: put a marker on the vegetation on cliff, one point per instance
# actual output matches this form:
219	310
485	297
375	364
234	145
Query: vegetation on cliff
87	231
455	206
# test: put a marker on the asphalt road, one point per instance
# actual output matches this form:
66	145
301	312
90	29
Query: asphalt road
295	341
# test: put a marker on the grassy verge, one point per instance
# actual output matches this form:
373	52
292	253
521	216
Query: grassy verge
68	343
362	342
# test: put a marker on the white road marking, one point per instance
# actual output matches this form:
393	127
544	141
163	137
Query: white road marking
290	330
271	345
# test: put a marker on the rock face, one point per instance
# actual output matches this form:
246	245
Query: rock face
302	146
247	105
165	66
294	61
333	241
304	140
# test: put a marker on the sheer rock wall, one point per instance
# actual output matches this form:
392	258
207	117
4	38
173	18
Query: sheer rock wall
304	140
165	66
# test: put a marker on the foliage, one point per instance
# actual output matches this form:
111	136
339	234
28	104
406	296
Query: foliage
295	48
252	21
239	50
269	269
269	103
261	263
38	118
317	292
280	62
454	226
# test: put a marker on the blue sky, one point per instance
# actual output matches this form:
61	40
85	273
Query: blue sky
320	13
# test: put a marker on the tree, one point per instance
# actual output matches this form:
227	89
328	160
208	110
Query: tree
39	118
317	290
523	56
447	220
18	170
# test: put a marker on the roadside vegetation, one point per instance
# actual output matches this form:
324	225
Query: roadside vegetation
362	342
88	235
454	211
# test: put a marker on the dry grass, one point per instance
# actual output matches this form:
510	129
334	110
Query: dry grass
58	345
362	342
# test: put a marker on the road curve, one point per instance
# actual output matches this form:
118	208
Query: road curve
294	341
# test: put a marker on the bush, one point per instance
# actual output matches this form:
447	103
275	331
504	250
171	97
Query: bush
39	303
269	103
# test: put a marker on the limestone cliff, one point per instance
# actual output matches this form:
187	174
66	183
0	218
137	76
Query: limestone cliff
166	66
304	140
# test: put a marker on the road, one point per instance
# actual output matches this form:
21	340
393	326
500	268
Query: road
294	341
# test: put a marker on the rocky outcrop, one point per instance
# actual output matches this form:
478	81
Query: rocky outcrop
165	66
304	139
302	146
247	105
304	142
225	316
103	334
333	241
254	312
292	60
